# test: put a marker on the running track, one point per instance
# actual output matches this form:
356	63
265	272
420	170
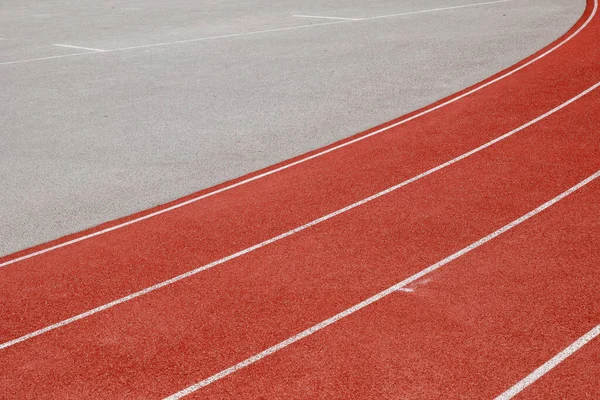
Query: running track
494	189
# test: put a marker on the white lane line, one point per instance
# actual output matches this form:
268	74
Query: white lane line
249	33
550	364
323	17
398	286
79	47
290	232
305	159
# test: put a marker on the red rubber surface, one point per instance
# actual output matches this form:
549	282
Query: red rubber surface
470	330
480	325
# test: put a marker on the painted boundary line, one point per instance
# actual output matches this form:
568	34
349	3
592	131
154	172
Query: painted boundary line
550	364
405	13
290	232
339	21
315	328
307	158
79	47
324	17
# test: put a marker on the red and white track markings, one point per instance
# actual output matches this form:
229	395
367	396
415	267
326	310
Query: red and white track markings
292	273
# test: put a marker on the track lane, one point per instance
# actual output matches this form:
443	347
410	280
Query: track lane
194	328
59	284
469	330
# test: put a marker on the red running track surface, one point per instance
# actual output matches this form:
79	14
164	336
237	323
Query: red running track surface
471	329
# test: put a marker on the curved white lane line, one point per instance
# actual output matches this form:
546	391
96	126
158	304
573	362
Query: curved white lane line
303	160
550	364
378	296
293	231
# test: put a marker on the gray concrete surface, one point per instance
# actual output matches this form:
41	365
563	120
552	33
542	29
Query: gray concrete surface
89	138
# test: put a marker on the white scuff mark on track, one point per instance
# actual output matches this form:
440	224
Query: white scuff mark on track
407	290
550	364
315	328
324	17
290	232
233	35
80	47
302	160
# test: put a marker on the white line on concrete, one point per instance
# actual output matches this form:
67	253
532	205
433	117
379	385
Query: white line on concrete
323	17
247	33
550	364
408	12
433	10
49	58
308	158
79	47
231	35
315	328
301	26
292	231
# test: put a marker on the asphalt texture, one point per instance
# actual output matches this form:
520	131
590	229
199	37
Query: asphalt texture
92	137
